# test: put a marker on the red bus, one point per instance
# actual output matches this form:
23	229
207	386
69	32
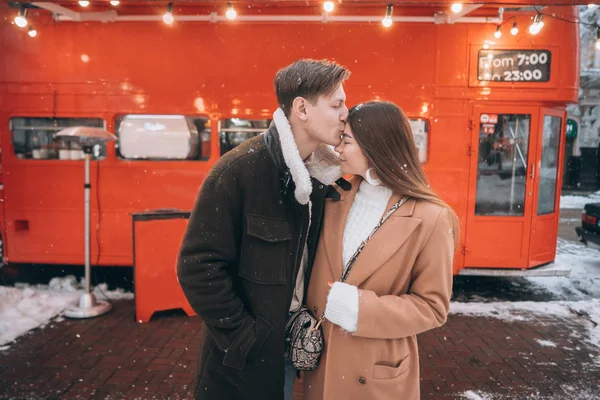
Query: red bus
488	112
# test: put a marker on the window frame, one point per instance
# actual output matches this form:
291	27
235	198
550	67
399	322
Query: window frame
11	129
221	131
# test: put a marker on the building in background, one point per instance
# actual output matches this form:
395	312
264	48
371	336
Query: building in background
582	163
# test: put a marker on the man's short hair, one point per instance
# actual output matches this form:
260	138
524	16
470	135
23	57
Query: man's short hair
309	79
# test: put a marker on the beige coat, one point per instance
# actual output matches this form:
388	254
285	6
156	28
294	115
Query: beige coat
404	276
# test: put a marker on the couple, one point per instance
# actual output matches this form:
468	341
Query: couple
271	231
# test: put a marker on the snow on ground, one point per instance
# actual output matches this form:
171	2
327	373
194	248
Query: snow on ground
26	307
577	202
545	343
584	280
528	310
569	392
471	395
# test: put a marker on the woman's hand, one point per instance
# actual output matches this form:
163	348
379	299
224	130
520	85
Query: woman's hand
342	306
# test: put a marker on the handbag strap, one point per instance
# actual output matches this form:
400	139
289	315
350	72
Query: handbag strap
364	242
361	247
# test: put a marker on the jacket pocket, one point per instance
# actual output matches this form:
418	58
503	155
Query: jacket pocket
247	345
390	370
265	250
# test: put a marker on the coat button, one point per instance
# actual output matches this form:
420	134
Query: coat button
362	380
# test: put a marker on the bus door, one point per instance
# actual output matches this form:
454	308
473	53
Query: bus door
547	184
502	172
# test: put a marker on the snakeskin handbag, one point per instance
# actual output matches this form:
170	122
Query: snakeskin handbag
304	338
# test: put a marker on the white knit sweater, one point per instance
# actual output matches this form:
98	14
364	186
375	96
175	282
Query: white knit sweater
366	211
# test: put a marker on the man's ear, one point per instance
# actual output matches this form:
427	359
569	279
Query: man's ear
299	108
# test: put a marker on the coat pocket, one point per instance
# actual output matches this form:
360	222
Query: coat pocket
390	370
265	249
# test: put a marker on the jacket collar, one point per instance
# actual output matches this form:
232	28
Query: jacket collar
293	171
386	241
292	159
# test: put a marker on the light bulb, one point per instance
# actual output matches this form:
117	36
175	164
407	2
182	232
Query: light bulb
537	25
168	16
514	30
387	20
115	3
456	7
32	32
498	33
328	6
231	13
21	22
21	18
84	3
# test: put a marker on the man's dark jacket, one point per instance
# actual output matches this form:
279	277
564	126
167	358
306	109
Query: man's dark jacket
238	264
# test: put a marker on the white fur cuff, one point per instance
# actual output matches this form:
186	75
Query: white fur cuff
342	306
324	165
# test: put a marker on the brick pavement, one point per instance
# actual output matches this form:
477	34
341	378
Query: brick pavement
112	357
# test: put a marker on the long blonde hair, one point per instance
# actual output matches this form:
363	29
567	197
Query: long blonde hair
384	135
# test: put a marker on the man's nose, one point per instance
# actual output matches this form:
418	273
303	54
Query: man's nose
344	116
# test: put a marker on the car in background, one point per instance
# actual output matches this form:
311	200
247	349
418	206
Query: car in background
589	231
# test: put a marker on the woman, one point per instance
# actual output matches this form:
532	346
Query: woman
401	282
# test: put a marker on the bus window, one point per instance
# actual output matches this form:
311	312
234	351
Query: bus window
163	137
549	165
502	165
234	131
420	131
34	138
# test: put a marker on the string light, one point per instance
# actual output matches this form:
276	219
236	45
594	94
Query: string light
387	20
32	32
168	16
537	24
498	33
231	13
456	7
21	18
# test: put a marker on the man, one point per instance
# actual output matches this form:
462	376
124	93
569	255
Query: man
252	236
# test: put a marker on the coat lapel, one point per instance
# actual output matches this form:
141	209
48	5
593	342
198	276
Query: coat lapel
385	243
336	213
